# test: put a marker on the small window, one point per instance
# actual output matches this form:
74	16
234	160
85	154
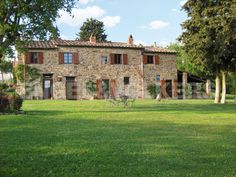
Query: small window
34	57
150	59
117	59
126	80
158	78
68	58
104	60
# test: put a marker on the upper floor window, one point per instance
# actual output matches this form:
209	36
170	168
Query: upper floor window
117	59
34	57
68	58
149	59
104	59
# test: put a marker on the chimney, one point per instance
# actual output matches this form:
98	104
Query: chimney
92	39
131	40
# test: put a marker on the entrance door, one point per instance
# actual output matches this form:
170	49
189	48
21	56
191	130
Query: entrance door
71	88
105	88
47	86
168	88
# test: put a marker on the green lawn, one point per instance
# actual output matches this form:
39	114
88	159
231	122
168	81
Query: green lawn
86	138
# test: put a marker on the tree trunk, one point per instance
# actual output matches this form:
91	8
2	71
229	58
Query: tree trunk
223	95
217	89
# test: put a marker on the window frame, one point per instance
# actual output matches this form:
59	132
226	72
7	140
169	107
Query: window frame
34	58
126	82
116	59
67	59
103	60
150	57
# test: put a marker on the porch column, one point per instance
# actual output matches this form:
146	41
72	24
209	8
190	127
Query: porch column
208	87
185	81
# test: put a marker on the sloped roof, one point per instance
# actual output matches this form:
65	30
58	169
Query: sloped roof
53	44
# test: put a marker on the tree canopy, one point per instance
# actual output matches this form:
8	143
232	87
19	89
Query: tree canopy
92	27
209	37
24	20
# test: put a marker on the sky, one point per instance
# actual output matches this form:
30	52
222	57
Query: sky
148	21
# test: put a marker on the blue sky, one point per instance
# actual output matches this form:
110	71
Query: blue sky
148	21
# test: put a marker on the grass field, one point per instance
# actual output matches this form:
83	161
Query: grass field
175	138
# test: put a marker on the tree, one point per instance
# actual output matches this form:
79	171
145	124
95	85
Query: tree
92	27
184	62
209	37
5	67
24	20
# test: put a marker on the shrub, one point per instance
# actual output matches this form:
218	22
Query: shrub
152	90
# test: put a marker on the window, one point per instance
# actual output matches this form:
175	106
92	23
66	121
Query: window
126	80
117	59
33	57
149	59
104	60
68	58
158	78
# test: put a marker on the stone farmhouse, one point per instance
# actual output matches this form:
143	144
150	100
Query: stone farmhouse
115	69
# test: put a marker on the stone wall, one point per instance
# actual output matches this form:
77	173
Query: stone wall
90	68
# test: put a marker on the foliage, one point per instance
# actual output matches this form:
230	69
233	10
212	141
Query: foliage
153	90
92	27
91	87
27	20
185	64
25	72
209	36
10	101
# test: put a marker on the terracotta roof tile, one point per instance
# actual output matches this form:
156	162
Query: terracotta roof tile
52	44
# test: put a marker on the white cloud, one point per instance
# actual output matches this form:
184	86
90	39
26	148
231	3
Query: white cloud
80	15
182	2
164	43
137	42
84	2
111	21
154	25
174	10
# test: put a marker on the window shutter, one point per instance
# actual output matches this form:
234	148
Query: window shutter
61	58
75	90
113	87
99	88
163	88
157	60
40	57
125	59
28	59
112	59
144	59
76	58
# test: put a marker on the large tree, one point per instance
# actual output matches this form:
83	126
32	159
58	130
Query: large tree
209	37
24	20
92	27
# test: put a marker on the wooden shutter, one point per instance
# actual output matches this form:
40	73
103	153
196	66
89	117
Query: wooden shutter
40	57
112	59
99	88
144	59
175	88
28	58
76	58
61	58
75	90
163	88
113	87
157	60
125	59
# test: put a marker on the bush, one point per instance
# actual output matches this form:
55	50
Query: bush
153	90
10	101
